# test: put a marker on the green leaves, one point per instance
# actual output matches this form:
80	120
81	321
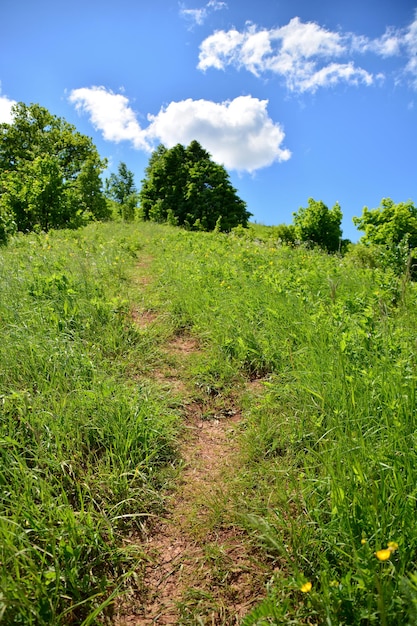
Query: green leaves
389	224
319	225
391	235
185	186
49	174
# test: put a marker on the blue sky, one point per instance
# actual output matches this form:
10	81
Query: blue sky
297	98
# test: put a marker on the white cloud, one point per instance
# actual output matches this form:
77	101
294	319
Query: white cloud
308	39
216	5
6	109
302	53
388	45
402	43
410	40
221	49
238	133
199	16
111	114
254	49
308	56
333	74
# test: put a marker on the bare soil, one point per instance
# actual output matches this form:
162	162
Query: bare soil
199	568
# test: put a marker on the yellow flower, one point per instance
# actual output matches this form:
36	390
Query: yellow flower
383	555
306	587
363	541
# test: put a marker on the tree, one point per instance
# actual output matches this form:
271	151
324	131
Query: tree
184	186
121	189
319	225
391	235
389	224
49	173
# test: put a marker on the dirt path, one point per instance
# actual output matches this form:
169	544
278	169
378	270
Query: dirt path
199	569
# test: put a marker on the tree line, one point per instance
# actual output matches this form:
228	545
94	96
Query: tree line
51	177
49	174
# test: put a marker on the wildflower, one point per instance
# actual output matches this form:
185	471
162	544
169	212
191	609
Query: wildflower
363	541
306	587
383	555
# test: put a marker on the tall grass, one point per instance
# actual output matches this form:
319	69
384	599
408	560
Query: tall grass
328	487
82	447
333	439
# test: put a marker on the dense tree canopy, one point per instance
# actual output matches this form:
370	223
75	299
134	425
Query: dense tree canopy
390	236
389	224
49	173
319	225
184	186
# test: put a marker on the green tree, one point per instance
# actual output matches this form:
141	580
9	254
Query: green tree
390	233
389	224
183	185
121	189
163	187
49	173
319	225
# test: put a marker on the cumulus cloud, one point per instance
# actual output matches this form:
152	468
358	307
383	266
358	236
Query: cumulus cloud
197	17
334	73
6	109
221	49
111	114
302	53
308	40
305	55
238	133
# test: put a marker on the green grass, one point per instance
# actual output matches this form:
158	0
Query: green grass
329	471
84	448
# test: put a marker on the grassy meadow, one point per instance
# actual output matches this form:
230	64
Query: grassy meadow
84	448
327	486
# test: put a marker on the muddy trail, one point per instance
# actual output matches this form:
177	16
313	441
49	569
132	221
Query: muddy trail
198	569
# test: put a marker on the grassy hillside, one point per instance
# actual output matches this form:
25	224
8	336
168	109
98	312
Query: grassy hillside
328	486
83	448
